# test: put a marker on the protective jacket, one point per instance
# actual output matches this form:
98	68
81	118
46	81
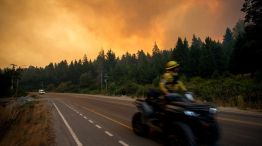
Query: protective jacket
170	83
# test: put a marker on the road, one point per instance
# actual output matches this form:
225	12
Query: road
87	120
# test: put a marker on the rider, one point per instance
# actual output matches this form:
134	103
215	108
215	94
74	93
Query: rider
170	82
170	86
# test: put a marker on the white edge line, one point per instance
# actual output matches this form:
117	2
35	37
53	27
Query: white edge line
108	133
90	121
85	117
68	127
123	143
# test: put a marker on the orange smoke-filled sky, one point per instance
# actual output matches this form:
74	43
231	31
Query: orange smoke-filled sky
36	32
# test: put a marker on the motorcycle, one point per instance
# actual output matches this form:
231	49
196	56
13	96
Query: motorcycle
181	120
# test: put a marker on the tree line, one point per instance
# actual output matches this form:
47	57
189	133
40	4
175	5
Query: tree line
205	58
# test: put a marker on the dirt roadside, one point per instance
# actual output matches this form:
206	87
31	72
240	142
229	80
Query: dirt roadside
27	124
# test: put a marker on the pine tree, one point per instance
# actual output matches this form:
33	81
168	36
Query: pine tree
247	54
181	55
207	59
228	45
195	54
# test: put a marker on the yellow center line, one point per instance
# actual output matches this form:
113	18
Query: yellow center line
128	127
104	116
239	121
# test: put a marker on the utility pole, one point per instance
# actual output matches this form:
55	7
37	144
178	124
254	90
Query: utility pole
17	84
42	84
101	83
12	76
106	77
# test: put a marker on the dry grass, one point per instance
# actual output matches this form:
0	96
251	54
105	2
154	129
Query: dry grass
32	127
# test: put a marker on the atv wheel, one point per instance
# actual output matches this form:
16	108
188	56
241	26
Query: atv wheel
138	127
181	135
214	134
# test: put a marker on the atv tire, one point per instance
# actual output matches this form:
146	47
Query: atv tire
181	135
138	127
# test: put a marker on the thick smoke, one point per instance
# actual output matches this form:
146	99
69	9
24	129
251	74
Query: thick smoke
38	32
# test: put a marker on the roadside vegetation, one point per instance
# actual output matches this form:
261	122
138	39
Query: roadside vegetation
24	125
240	91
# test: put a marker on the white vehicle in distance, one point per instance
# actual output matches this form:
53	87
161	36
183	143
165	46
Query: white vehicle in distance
41	91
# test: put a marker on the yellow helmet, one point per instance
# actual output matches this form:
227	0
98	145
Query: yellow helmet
171	64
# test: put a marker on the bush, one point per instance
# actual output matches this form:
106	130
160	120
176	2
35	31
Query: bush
84	90
129	88
240	91
50	87
67	87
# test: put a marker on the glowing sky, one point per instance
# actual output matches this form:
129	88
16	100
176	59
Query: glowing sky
37	32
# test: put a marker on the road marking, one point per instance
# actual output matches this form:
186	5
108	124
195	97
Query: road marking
102	115
81	114
108	133
98	126
90	121
238	121
85	117
68	127
123	143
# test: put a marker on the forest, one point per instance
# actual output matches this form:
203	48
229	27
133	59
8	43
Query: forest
227	73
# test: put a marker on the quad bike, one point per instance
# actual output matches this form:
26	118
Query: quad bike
181	120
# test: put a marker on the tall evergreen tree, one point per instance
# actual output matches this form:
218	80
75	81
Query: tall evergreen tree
100	68
228	37
248	51
85	64
181	54
207	59
239	29
228	45
142	69
110	61
156	62
195	54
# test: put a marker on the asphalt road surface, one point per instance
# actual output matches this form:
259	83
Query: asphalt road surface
87	120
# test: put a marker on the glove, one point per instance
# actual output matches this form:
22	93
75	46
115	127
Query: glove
189	96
